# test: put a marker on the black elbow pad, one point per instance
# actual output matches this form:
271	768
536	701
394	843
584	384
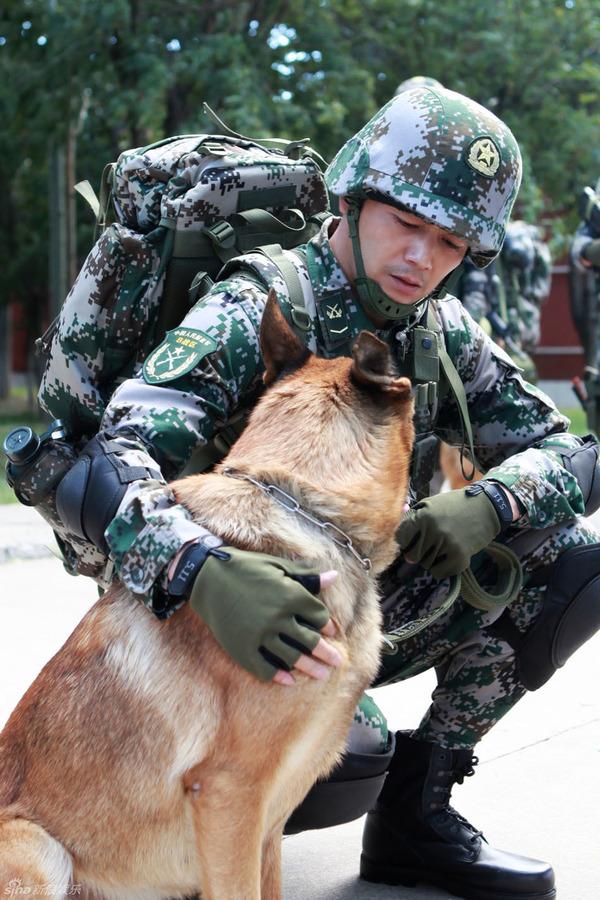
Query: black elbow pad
582	462
88	497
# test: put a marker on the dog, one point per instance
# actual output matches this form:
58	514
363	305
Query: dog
143	763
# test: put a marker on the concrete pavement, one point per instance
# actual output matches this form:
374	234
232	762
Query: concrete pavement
536	790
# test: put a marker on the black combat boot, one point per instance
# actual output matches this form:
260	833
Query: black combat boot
413	834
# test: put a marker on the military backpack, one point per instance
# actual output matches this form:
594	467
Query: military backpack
171	214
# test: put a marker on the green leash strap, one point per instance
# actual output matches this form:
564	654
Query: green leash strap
505	591
506	587
391	639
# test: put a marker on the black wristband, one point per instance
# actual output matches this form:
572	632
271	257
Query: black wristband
192	560
498	499
164	601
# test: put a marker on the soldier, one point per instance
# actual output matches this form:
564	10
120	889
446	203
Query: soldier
506	298
527	265
584	294
430	179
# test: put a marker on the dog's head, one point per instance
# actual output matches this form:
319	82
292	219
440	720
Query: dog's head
345	424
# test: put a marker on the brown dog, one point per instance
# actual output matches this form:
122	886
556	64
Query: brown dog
143	763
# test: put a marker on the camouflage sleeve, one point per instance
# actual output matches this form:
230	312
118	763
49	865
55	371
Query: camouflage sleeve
517	429
202	372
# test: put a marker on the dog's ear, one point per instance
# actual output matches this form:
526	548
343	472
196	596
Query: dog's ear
373	366
280	347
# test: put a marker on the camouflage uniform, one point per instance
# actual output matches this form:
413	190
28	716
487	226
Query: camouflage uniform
526	270
177	416
584	287
510	292
210	367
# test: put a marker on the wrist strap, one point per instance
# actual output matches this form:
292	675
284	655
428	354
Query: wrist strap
497	498
164	602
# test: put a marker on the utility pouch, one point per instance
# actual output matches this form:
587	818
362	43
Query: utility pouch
424	357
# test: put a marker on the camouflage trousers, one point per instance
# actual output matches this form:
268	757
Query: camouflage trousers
476	671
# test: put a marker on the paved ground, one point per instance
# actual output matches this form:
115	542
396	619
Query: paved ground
537	789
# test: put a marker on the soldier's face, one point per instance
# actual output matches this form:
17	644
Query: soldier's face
405	255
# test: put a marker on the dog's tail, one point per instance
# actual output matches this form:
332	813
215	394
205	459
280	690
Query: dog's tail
32	863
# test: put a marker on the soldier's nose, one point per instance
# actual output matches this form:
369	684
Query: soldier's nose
418	253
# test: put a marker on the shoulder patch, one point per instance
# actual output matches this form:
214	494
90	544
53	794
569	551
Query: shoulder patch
180	352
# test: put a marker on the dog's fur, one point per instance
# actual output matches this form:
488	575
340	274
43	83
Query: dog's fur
143	762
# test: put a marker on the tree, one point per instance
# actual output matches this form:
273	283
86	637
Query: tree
125	72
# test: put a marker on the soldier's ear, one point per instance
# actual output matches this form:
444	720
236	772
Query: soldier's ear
373	366
281	349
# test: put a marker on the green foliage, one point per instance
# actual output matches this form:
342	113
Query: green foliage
122	73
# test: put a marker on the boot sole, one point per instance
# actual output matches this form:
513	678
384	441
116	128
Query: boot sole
409	877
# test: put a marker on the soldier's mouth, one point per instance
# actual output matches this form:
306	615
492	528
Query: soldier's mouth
405	284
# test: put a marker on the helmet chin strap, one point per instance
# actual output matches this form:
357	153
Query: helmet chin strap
372	297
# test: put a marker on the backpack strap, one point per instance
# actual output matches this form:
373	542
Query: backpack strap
289	273
456	386
215	450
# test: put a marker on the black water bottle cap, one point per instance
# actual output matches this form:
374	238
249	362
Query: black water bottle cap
21	444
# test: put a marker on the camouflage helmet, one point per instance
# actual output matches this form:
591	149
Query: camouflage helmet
415	82
440	155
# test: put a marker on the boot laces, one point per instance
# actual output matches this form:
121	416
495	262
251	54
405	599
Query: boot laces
458	774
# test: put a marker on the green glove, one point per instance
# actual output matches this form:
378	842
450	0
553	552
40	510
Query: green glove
258	610
443	532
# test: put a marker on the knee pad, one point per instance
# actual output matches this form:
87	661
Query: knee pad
570	616
349	792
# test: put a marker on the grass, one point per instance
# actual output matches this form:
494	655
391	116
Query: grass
578	421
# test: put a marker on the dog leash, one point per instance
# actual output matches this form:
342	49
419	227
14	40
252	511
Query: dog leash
507	586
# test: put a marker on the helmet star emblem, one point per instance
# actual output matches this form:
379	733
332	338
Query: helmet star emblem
484	157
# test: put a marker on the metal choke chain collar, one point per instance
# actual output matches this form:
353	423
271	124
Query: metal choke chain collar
290	503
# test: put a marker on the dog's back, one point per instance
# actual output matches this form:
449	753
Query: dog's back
143	762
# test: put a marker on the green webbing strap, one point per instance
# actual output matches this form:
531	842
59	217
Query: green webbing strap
261	220
507	585
404	632
506	589
300	317
85	190
106	186
227	239
456	386
100	205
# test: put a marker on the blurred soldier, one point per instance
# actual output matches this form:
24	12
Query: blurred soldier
585	292
526	272
506	297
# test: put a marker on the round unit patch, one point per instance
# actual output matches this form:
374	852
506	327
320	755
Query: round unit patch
179	353
484	157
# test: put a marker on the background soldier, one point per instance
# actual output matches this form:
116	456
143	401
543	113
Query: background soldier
506	297
585	294
430	178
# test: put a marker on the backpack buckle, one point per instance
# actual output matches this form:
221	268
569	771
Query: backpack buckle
214	148
221	234
301	319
